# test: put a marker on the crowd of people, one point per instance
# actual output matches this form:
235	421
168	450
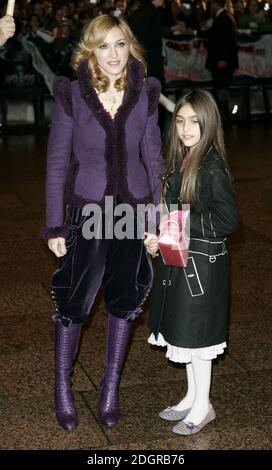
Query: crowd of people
55	26
65	19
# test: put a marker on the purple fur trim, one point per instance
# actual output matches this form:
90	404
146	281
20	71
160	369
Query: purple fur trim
90	96
62	90
115	144
153	88
135	74
74	200
120	166
55	232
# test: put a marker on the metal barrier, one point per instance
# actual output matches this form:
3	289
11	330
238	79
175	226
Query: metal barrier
25	110
249	98
30	110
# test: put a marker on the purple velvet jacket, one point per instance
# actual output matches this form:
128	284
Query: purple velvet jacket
91	155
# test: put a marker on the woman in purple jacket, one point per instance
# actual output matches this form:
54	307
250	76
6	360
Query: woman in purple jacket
104	149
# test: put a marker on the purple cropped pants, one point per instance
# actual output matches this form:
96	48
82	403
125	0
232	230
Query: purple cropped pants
122	267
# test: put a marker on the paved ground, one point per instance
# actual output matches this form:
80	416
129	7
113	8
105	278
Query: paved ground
241	389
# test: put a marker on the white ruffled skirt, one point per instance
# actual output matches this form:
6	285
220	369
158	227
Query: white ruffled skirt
177	354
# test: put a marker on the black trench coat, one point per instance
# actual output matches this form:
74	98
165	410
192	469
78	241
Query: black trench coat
189	306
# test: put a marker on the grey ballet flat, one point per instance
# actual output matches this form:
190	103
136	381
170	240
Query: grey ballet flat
190	428
169	414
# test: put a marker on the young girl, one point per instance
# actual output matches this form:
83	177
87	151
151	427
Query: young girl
189	306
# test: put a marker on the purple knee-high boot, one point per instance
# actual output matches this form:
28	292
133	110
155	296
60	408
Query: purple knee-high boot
119	333
67	338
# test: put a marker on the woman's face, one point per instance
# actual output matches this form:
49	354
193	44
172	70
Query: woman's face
113	53
187	125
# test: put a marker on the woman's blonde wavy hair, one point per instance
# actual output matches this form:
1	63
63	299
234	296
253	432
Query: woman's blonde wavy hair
92	37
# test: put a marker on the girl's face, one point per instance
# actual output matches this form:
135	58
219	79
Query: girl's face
188	127
112	54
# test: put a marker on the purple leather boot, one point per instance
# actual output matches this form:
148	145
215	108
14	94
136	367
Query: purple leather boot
67	338
119	333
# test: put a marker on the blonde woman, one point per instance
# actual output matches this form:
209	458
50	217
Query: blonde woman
104	143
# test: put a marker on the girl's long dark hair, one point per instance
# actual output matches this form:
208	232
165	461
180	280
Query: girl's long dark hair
211	130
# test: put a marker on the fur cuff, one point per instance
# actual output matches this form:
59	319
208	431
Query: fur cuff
55	232
62	91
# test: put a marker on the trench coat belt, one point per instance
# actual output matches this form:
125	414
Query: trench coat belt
208	247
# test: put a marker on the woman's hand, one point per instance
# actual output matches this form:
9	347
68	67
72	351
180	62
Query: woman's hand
57	245
151	244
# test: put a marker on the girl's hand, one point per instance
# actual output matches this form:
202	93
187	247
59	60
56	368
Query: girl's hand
151	244
57	245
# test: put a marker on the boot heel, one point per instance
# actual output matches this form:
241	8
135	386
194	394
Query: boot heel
109	404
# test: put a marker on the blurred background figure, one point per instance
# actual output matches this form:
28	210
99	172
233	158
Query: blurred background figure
253	15
222	58
120	8
145	24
